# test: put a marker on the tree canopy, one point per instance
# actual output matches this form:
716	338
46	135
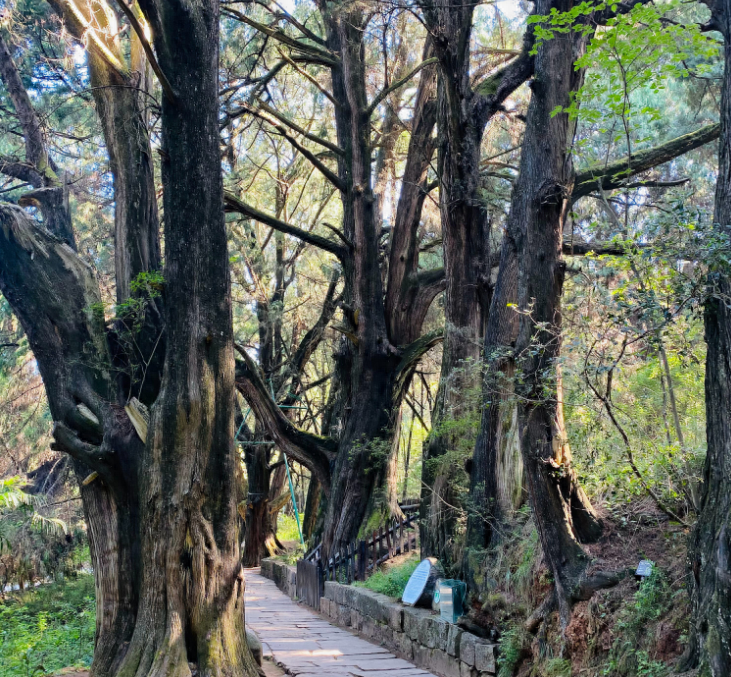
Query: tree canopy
469	254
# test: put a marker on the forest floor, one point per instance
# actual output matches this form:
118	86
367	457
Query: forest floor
634	628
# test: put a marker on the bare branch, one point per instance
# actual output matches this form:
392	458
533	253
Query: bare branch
21	171
233	204
36	154
283	14
319	165
85	30
317	54
313	337
135	23
411	356
311	78
300	130
398	84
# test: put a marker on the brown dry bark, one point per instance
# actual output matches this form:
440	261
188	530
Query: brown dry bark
710	565
539	208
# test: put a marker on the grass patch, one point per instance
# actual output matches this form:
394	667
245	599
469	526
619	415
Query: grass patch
48	628
287	527
393	580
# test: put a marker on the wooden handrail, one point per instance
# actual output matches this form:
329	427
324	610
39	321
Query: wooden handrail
359	559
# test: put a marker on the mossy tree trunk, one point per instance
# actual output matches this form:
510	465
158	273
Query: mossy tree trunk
463	113
170	591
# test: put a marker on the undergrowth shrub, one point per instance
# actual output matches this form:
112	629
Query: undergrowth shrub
514	642
48	628
392	581
629	655
287	527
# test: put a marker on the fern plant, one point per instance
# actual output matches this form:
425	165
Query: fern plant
13	500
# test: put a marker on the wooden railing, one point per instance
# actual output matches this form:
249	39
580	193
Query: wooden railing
310	583
359	559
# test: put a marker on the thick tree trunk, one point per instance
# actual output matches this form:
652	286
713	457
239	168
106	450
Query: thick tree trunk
541	200
192	600
710	544
56	298
185	559
54	294
497	478
372	362
497	467
463	115
113	531
312	508
121	98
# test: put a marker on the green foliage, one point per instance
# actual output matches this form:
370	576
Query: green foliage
633	64
291	556
629	656
392	580
557	667
14	502
513	643
48	628
520	579
287	527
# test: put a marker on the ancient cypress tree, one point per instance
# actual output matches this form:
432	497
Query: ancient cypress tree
463	114
539	208
710	567
527	343
164	543
383	339
497	466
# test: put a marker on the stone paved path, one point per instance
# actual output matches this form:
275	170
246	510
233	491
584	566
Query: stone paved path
304	643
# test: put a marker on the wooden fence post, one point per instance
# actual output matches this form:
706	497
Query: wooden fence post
362	560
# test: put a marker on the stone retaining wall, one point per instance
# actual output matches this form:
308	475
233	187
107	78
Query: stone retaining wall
418	635
282	574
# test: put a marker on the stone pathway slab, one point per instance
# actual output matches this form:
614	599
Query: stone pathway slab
305	644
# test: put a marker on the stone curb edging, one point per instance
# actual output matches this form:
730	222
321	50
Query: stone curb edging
417	635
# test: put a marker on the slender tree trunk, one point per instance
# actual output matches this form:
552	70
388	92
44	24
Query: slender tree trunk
312	507
465	228
121	108
710	543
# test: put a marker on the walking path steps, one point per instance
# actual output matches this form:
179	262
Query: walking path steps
304	643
